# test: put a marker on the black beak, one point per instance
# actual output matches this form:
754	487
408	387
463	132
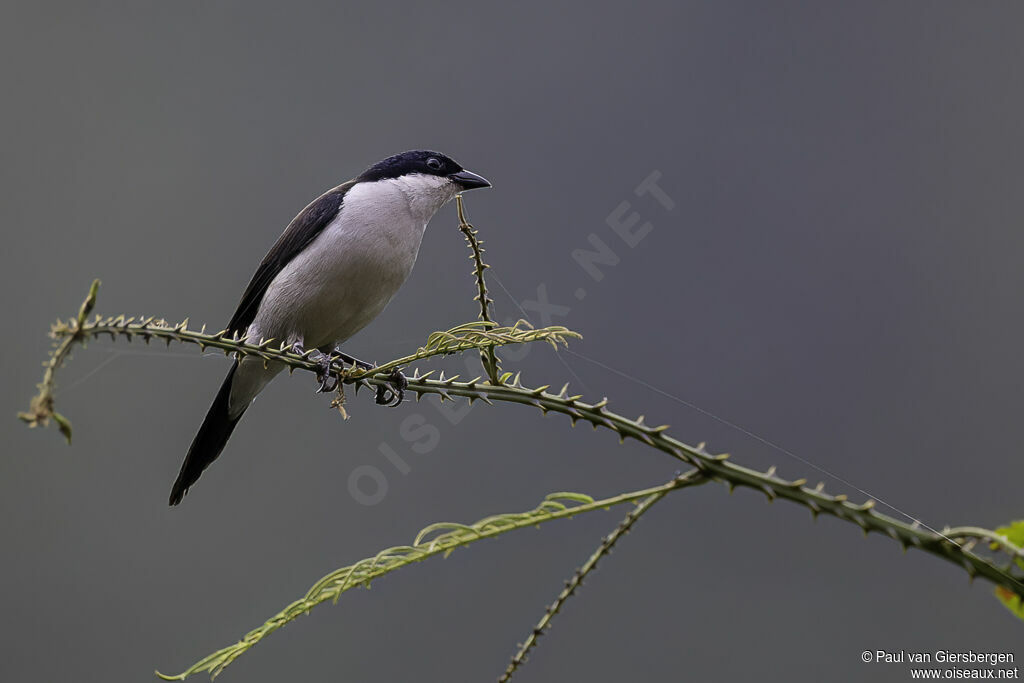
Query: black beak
468	180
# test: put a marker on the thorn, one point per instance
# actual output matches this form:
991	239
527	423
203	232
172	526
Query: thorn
971	571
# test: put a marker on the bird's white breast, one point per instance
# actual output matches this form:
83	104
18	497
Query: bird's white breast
353	268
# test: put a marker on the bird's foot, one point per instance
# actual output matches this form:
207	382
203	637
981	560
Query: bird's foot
328	382
393	392
352	360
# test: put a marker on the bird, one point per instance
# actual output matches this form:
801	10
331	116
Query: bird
333	270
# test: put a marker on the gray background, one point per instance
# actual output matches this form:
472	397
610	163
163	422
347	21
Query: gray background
840	274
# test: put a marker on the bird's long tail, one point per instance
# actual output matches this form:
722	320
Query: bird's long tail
209	441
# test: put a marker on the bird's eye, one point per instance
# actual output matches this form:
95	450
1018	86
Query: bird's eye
434	164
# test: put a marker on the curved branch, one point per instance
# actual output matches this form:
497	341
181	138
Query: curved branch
428	543
511	390
955	545
473	335
577	577
41	408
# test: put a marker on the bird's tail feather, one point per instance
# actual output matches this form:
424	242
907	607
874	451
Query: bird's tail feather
209	441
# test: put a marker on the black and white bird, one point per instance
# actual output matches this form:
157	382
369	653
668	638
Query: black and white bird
335	268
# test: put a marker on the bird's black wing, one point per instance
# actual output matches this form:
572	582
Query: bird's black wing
297	236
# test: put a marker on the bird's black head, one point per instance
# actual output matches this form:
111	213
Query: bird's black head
423	162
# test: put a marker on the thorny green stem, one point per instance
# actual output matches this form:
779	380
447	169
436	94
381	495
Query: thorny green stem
955	545
425	546
510	390
488	356
41	407
691	478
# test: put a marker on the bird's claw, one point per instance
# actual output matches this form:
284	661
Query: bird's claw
328	382
390	393
393	392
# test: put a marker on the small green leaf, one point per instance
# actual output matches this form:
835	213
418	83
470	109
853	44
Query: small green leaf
1011	601
1014	533
64	425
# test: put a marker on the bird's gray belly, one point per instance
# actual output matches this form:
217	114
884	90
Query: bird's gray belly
333	290
318	306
